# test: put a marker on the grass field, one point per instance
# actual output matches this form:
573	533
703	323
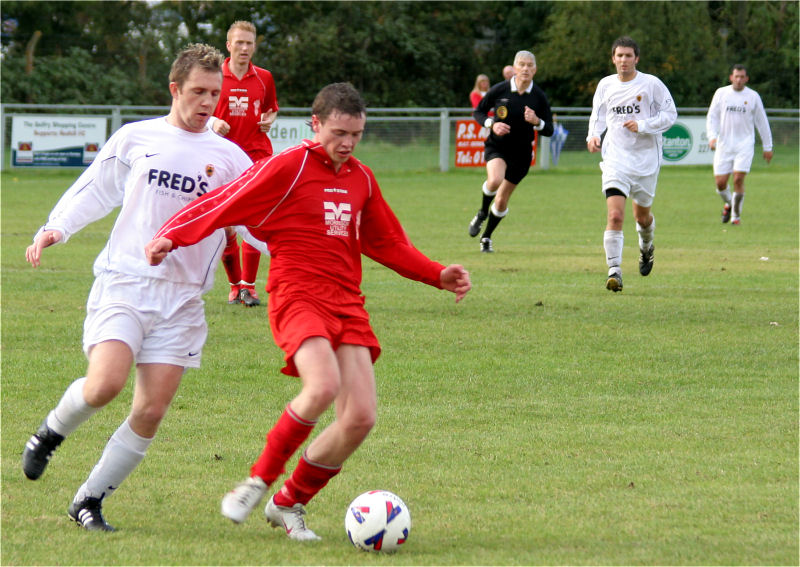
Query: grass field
541	421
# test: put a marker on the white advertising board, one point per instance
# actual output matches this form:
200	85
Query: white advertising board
39	140
288	132
686	143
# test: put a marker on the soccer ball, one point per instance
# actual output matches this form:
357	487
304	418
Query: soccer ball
377	521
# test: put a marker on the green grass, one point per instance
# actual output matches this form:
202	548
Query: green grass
543	420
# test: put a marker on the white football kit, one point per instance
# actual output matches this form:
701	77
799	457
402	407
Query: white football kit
732	119
631	160
151	169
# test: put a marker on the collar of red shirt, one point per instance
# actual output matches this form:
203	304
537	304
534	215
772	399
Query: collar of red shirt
316	150
226	70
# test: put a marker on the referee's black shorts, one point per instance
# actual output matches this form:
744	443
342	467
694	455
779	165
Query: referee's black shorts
518	160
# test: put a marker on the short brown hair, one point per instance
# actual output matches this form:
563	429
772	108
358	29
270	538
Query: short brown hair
241	25
338	97
195	55
625	41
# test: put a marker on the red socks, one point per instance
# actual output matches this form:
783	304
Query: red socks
306	480
230	259
282	441
251	257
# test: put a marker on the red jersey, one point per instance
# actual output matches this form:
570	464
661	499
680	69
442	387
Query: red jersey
317	221
241	104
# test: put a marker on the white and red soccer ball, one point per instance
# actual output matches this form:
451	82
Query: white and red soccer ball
377	520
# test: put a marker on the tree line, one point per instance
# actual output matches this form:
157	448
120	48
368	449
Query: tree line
399	54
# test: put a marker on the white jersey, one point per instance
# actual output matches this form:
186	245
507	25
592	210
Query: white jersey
731	118
644	99
151	169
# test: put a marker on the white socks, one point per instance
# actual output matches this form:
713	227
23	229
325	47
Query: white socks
124	451
496	213
646	235
612	242
738	199
487	192
71	411
725	195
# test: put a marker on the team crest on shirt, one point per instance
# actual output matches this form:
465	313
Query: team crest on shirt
237	105
502	112
256	107
638	98
209	170
337	218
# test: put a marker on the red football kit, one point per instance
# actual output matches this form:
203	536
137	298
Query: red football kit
318	222
241	104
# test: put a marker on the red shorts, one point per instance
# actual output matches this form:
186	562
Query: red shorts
332	313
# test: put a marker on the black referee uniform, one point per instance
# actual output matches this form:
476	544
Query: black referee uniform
509	107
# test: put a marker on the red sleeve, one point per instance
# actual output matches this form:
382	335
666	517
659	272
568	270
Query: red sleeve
247	201
475	97
384	240
270	96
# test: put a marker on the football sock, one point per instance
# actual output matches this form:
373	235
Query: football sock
306	481
612	242
230	260
738	198
282	441
494	219
71	411
646	234
487	198
123	452
251	257
725	195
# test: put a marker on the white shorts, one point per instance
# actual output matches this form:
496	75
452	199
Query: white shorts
641	188
728	161
161	321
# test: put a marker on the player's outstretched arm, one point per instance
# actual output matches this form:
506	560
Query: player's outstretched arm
33	253
157	249
456	279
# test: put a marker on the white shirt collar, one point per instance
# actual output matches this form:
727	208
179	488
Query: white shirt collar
514	85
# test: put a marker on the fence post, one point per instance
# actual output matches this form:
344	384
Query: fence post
444	140
2	136
116	119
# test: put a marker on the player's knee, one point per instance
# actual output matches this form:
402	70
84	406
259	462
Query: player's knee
99	394
322	394
146	419
616	218
358	426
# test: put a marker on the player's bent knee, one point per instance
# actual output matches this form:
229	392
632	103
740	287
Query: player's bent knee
357	428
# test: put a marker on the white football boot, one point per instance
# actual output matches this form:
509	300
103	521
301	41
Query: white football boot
239	502
290	519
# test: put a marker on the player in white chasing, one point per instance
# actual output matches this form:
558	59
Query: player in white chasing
634	109
734	111
138	314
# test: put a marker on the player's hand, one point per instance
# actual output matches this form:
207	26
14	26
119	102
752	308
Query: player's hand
157	249
501	128
631	125
593	145
44	239
221	127
456	279
712	144
267	118
530	116
768	156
